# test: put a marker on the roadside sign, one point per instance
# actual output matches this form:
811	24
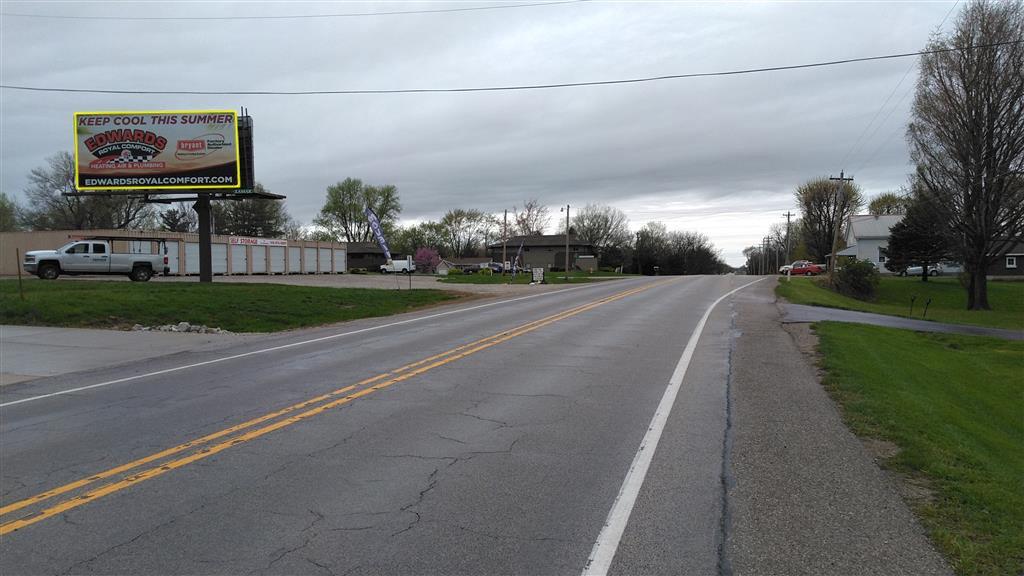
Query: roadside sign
156	150
242	240
538	274
371	217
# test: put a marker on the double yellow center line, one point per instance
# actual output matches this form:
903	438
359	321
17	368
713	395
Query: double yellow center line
221	440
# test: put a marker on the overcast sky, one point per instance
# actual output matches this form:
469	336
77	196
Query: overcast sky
718	155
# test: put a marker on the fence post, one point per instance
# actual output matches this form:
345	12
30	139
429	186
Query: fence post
21	289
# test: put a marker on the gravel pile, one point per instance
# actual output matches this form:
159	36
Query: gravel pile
180	327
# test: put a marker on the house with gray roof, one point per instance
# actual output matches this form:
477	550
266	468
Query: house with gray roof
867	237
543	251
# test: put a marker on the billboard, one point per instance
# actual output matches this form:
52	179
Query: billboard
157	150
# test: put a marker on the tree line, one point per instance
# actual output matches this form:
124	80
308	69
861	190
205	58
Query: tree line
468	232
458	233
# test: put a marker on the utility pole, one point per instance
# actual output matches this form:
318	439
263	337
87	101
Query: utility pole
504	243
764	256
636	254
840	197
566	241
788	214
760	258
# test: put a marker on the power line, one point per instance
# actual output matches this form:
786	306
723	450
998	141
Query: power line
505	88
858	144
882	123
287	17
882	145
852	152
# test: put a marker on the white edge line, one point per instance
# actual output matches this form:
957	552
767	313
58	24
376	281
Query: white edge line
294	344
607	543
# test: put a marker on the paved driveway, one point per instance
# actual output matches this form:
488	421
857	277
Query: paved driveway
799	313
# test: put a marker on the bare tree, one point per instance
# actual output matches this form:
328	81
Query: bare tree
605	227
967	135
464	231
823	203
180	218
532	220
49	209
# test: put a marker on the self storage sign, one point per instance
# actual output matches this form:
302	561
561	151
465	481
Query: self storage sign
163	150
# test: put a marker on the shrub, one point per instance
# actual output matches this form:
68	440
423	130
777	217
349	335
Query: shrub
455	272
857	279
357	271
486	271
426	259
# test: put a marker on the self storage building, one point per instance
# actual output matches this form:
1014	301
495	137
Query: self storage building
232	255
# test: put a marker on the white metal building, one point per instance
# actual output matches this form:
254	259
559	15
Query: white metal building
867	235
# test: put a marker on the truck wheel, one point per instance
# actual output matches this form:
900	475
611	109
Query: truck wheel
49	271
141	274
808	273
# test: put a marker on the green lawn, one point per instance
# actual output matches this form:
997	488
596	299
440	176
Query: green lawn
949	300
955	407
550	277
234	307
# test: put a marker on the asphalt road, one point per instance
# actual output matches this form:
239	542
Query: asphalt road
483	439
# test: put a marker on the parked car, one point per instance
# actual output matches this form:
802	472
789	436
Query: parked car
916	271
946	267
93	257
805	268
496	267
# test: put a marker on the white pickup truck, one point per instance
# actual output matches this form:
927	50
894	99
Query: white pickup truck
93	257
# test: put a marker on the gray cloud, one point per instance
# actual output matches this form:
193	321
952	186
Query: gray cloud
718	155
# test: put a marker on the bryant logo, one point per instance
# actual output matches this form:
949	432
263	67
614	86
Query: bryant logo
191	145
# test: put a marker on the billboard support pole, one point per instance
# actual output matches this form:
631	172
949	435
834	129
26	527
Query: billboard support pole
202	208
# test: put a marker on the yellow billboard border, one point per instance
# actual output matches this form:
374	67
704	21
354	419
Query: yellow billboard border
238	151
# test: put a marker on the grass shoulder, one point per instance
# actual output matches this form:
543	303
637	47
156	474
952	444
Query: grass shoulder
235	307
951	404
893	297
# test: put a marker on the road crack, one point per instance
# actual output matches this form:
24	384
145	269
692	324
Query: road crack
432	479
728	482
